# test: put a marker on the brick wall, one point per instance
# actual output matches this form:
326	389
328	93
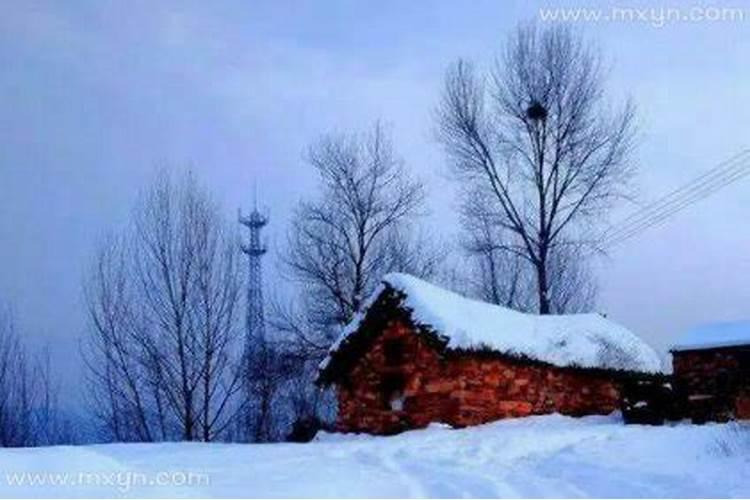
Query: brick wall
713	383
386	392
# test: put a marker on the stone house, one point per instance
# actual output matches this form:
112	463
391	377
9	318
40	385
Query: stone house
420	354
711	371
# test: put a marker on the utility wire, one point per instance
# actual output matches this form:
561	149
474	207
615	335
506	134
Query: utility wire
723	170
662	216
717	170
677	205
724	174
696	192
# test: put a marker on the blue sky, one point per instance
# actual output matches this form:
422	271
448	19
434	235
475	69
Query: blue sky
96	94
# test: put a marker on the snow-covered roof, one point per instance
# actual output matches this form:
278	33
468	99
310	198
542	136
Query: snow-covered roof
570	340
714	335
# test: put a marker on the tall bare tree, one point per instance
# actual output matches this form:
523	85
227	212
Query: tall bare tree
540	155
29	411
120	388
164	348
358	229
18	387
52	424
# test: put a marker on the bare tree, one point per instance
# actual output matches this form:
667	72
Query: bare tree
501	276
536	143
360	227
29	411
572	286
120	388
496	273
52	425
18	388
163	353
268	368
341	243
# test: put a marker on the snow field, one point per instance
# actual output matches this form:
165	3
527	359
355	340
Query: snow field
547	456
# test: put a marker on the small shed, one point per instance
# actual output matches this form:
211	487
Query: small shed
711	365
420	354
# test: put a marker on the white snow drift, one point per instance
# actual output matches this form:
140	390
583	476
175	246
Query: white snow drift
549	456
569	340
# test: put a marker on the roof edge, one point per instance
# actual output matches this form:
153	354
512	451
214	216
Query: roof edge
708	347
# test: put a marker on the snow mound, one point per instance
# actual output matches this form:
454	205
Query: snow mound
537	457
570	340
714	335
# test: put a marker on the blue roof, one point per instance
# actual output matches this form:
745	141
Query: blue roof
715	335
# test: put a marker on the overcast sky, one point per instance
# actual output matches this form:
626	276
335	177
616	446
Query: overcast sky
94	94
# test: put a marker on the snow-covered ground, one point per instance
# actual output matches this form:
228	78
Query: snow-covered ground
550	456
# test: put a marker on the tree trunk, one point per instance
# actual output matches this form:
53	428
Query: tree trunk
543	287
187	430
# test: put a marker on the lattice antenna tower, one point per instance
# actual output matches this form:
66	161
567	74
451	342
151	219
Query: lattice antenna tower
254	249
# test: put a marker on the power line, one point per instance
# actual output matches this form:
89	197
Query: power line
722	171
676	206
680	204
724	174
695	194
715	171
661	217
